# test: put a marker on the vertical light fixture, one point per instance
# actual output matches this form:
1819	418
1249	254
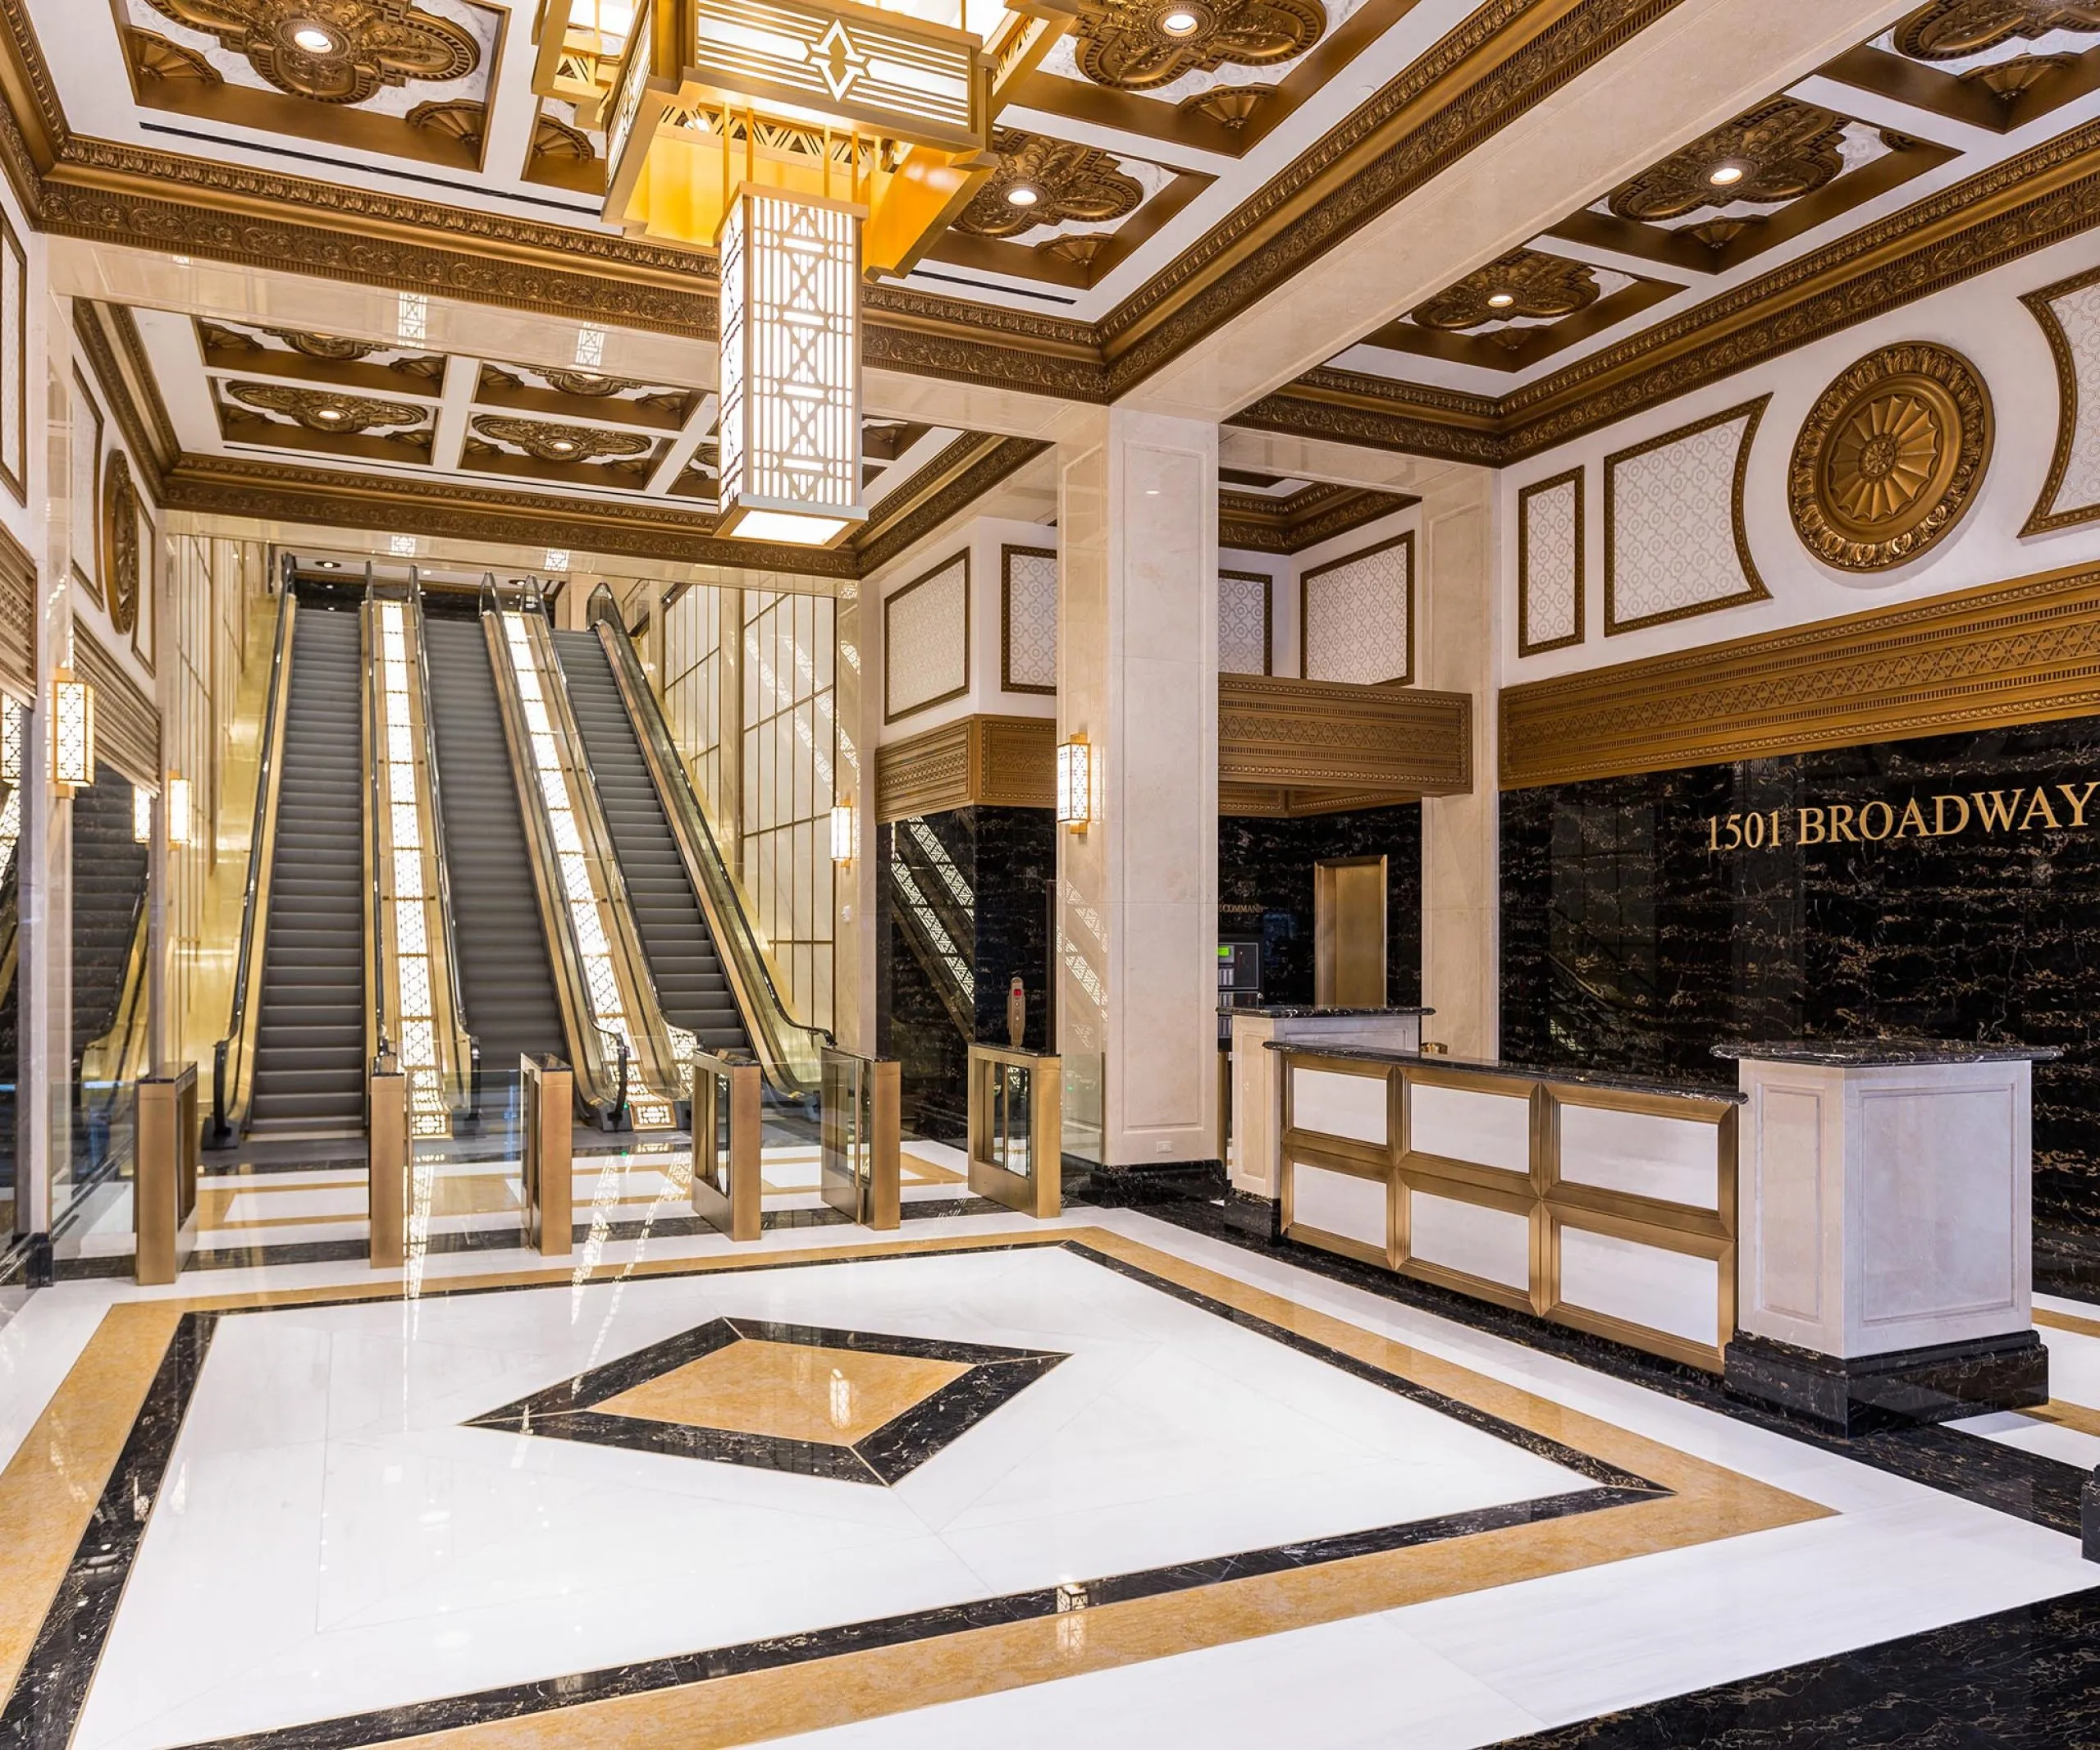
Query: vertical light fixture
1075	783
845	833
72	733
791	367
180	822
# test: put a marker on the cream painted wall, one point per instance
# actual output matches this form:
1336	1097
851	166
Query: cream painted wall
1983	320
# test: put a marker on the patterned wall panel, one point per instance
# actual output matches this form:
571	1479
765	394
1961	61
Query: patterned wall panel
1550	564
926	640
1674	541
127	722
17	619
1358	616
2069	312
1028	620
1245	605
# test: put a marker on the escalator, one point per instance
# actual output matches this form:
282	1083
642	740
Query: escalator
309	1039
507	982
692	987
109	926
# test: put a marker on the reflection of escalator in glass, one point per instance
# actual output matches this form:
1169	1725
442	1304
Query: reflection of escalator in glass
109	916
934	906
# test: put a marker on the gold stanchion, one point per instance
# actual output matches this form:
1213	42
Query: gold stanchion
387	1183
164	1187
1016	1129
726	1191
548	1114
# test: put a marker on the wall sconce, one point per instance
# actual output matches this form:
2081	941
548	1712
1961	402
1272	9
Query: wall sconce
142	817
72	733
179	822
1075	783
845	834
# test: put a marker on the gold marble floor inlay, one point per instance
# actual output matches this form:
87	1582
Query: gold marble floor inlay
788	1391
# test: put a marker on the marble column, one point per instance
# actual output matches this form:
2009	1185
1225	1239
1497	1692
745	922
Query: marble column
1455	597
854	937
1137	677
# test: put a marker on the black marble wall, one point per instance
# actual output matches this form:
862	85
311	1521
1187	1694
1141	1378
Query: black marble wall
1629	939
1265	891
994	913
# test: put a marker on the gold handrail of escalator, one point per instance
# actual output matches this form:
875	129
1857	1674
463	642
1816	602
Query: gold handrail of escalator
233	1058
622	1076
791	1052
467	1049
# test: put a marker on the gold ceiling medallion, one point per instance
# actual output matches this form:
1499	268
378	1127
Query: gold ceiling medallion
154	56
1525	282
1231	106
323	410
1777	152
553	138
333	50
1043	181
549	442
1138	45
120	542
463	119
334	348
1890	457
1951	29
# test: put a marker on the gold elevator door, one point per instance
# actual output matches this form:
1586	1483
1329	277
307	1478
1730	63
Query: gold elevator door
1348	933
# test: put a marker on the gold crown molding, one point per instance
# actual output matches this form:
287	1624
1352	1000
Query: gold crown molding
2025	652
166	446
1352	408
998	762
959	475
2042	519
1255	523
277	491
1291	735
127	722
115	384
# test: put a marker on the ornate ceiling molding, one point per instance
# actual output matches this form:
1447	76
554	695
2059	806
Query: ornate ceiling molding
1041	181
961	474
1949	29
327	409
1256	522
148	437
1128	43
358	46
1523	283
1777	152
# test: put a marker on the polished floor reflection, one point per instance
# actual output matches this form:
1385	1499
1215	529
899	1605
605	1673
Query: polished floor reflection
987	1481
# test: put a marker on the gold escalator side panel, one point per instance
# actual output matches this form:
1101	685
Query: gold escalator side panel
239	1045
117	1058
791	1052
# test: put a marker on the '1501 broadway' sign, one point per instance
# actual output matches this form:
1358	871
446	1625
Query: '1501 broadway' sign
2043	808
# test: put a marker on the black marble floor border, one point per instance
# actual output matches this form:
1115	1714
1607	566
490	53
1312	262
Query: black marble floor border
45	1705
2025	1485
567	1409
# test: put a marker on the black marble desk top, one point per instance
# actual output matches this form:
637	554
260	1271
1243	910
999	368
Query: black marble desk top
1880	1053
1296	1011
1616	1080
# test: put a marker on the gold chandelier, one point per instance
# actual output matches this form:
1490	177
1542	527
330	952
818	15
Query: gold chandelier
808	143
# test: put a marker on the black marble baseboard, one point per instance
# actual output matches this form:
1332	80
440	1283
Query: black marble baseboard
1865	1393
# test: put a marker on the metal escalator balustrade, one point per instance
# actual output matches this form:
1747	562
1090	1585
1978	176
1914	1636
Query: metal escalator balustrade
506	982
691	986
310	1036
790	1052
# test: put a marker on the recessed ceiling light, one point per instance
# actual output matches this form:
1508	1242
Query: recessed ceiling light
314	40
1180	23
331	413
562	446
1020	195
1500	300
329	565
1722	175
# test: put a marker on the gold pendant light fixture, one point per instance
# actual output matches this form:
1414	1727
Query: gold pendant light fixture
805	144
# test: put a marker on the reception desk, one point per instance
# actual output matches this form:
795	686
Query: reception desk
1257	1076
1606	1202
1886	1261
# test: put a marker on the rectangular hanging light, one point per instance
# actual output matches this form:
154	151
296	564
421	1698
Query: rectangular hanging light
791	368
1075	783
72	733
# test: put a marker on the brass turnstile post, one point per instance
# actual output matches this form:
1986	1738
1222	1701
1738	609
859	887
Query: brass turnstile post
1017	1129
386	1149
164	1188
726	1191
548	1113
859	1132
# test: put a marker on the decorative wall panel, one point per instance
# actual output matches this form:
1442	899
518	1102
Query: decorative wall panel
2069	312
926	640
1359	623
1006	762
1245	622
127	723
1295	746
84	489
14	363
1674	540
1028	620
17	619
1550	564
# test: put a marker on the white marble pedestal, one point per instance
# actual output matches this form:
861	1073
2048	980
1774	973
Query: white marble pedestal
1257	1074
1885	1254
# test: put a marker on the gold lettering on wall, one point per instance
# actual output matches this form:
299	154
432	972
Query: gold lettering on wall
1946	814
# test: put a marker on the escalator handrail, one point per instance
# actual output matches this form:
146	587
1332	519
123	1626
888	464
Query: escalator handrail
466	1045
766	1015
235	1052
378	1045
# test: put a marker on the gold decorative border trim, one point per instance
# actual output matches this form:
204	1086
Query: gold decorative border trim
1008	555
1752	413
2027	651
2042	519
84	399
17	482
890	714
116	390
956	478
1404	539
1576	477
127	722
1276	732
1001	762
